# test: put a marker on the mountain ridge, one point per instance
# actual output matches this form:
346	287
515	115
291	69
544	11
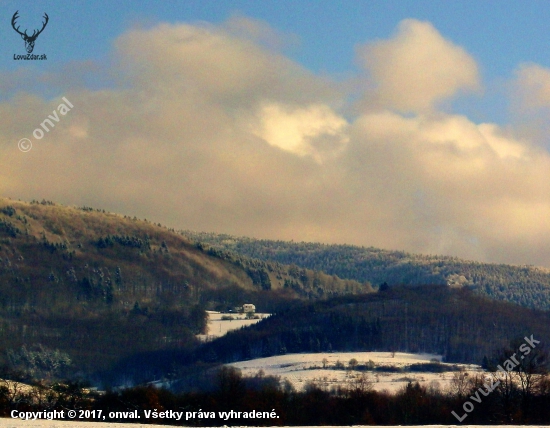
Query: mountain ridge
100	286
525	285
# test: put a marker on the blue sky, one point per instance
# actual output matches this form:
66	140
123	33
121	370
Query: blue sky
322	34
419	126
499	33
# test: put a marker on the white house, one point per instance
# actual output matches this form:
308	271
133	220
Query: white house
249	308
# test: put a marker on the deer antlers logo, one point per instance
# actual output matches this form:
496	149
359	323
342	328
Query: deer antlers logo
29	40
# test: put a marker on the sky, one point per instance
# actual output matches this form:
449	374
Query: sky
407	125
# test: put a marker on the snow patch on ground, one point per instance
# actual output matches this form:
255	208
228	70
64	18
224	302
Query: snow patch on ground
44	423
299	369
17	423
218	327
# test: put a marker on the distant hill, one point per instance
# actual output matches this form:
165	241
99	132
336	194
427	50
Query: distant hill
524	285
92	287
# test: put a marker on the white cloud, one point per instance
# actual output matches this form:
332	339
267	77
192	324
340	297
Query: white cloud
533	86
314	130
530	103
210	130
417	68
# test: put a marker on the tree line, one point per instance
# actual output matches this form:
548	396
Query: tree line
524	285
456	323
226	394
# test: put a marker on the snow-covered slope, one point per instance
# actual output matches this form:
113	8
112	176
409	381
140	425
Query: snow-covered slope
219	327
320	368
17	423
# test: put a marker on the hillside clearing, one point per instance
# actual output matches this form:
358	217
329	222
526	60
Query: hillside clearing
218	327
299	369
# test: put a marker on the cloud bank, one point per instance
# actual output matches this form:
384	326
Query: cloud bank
417	68
210	128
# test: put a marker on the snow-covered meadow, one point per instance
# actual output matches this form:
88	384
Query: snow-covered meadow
44	423
17	423
219	327
301	368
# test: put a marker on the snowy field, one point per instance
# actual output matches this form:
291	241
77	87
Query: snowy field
297	368
16	423
218	327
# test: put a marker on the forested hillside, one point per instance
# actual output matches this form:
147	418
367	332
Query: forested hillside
524	285
456	323
84	291
83	288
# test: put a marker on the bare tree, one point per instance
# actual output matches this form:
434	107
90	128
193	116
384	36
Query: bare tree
529	372
362	384
352	364
460	385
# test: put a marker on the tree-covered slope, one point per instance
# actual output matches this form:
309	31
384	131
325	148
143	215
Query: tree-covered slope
524	285
100	286
456	323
